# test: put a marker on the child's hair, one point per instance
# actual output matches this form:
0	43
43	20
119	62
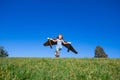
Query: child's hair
59	35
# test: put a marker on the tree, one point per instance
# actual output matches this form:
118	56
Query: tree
100	53
3	53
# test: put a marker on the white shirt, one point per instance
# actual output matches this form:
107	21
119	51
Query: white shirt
59	43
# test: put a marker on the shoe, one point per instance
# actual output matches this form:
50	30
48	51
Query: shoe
56	54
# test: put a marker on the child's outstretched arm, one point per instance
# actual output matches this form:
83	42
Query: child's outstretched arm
54	40
66	42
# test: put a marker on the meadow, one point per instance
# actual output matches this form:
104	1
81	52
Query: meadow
59	69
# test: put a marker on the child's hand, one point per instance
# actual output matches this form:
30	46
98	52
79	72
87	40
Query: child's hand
50	38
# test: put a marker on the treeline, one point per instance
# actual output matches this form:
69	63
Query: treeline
99	52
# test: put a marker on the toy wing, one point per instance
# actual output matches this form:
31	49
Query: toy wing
49	43
69	46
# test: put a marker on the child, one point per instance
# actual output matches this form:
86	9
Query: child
59	41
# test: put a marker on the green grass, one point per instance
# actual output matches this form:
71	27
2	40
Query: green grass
59	69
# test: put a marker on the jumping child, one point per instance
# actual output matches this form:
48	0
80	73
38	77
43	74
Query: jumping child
59	41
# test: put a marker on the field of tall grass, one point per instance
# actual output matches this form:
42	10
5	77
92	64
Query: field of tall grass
59	69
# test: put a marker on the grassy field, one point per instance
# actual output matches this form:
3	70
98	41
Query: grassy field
59	69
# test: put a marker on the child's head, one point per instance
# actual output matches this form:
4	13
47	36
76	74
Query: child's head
60	36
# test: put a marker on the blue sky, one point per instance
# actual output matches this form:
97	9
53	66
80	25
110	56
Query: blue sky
26	24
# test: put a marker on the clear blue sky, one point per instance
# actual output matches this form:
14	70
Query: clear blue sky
26	24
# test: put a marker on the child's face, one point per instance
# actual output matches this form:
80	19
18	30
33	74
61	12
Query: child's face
60	37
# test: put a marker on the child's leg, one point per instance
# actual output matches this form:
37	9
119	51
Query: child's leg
57	52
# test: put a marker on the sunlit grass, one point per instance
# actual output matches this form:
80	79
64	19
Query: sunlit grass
59	69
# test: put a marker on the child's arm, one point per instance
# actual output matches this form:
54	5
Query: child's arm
66	42
54	40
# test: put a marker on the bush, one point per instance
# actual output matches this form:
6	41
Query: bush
100	53
3	53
